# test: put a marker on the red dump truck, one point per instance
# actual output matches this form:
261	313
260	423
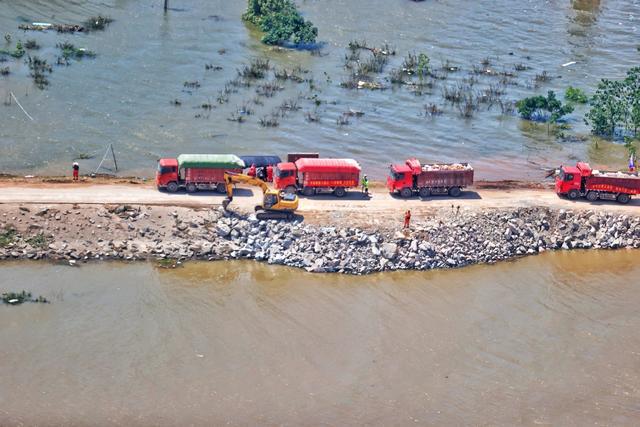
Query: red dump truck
414	178
196	172
312	176
582	181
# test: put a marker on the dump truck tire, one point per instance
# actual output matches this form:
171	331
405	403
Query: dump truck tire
172	187
308	191
623	198
220	188
191	188
592	196
290	189
339	192
406	192
455	192
573	194
425	192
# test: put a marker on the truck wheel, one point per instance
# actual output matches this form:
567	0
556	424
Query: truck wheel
308	191
339	192
623	198
191	188
221	188
172	187
573	194
290	189
455	191
592	196
424	192
406	192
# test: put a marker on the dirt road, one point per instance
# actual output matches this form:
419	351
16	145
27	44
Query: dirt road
324	209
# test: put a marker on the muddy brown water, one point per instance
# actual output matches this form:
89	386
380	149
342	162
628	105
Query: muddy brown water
547	340
144	57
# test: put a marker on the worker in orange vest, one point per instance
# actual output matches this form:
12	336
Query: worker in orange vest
269	173
252	171
76	170
407	218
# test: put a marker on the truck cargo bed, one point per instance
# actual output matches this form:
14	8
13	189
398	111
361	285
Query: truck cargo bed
448	175
615	184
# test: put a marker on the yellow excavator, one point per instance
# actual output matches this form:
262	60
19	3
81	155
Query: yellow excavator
275	204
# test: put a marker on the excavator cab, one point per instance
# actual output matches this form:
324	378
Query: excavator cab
275	204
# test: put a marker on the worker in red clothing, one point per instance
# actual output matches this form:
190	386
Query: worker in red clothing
407	218
252	171
76	170
269	173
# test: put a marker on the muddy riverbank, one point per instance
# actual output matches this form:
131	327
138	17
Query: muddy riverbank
446	238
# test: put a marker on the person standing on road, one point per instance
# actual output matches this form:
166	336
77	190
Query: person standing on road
76	170
364	182
269	173
252	171
407	218
632	163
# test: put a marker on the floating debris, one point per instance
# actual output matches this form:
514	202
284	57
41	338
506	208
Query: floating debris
15	298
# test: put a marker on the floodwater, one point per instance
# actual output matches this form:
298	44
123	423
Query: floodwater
547	340
123	96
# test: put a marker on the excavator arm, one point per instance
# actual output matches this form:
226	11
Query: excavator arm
231	178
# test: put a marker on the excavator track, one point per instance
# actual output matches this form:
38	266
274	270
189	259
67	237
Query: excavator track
265	215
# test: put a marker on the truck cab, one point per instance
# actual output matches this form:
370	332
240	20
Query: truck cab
167	173
400	176
569	180
284	177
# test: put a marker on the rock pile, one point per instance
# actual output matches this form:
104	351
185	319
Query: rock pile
445	240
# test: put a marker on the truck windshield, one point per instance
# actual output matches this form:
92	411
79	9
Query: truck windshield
394	175
165	169
283	174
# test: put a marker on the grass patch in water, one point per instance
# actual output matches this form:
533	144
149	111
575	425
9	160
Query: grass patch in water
17	298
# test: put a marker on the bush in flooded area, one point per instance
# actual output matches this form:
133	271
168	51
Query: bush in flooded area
548	109
38	69
16	298
18	52
256	69
577	95
4	71
69	51
615	107
280	21
31	44
98	22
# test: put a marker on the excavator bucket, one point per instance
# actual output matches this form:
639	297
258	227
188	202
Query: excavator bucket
225	202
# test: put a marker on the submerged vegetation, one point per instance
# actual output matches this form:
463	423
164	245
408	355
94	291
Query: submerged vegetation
17	298
280	21
615	106
39	68
576	95
540	108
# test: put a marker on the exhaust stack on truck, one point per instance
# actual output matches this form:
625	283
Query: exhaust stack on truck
413	178
197	172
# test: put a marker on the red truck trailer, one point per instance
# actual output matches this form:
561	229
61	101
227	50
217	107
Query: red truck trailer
582	181
312	176
412	177
196	172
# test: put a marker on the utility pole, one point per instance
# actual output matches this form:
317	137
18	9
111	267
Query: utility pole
166	5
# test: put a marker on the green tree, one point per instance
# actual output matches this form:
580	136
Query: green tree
577	95
549	108
280	21
632	95
608	106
